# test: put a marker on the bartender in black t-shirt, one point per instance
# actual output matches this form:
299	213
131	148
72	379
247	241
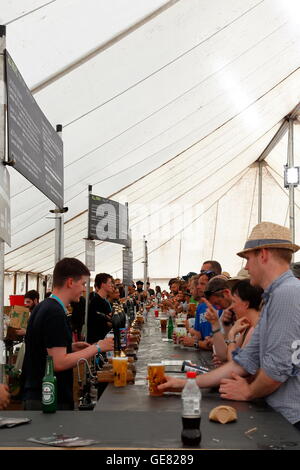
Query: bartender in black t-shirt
100	309
49	333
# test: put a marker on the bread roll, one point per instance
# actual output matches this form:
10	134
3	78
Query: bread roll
223	414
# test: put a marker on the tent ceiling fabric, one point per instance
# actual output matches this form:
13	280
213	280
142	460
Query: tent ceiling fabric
166	106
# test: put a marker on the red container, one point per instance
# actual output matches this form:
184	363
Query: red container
156	312
17	300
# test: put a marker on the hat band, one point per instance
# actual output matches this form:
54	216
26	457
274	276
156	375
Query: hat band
264	241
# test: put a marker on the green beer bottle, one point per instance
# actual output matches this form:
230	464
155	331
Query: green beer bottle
49	388
170	327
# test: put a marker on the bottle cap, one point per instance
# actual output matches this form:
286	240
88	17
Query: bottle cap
191	375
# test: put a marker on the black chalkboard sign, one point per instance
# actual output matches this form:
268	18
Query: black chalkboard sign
108	221
33	144
5	231
127	267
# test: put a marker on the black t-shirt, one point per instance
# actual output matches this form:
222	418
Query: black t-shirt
78	314
48	327
99	309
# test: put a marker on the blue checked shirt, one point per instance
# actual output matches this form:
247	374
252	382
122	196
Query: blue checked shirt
271	349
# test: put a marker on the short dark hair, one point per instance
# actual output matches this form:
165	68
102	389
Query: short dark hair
215	266
102	278
248	293
194	278
32	295
282	254
215	286
66	268
171	281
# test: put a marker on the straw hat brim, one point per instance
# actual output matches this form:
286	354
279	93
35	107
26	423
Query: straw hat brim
288	246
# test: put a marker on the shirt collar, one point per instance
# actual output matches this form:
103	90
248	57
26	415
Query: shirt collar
52	296
276	283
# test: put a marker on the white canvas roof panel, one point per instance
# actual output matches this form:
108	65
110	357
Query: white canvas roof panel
165	106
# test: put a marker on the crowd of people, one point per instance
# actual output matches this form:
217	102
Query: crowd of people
55	328
250	323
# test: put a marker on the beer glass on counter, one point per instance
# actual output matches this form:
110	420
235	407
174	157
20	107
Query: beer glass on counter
156	372
120	371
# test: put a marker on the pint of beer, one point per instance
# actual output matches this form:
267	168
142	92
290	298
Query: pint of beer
156	374
163	324
120	371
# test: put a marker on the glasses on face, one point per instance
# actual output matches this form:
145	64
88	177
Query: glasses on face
208	273
209	293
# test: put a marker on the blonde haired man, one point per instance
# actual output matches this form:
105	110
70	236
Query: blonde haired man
270	359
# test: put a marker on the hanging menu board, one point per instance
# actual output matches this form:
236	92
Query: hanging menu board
33	144
127	267
5	233
108	221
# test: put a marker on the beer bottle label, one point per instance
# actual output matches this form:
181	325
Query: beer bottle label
48	393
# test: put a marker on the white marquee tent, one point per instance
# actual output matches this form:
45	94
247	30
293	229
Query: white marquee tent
166	105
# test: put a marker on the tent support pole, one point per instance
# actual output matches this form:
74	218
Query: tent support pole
129	247
145	263
88	284
290	161
179	258
59	222
260	165
2	159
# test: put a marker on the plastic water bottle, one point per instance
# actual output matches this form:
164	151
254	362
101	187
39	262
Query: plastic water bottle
110	354
191	412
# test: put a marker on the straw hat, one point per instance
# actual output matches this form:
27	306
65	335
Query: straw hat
269	235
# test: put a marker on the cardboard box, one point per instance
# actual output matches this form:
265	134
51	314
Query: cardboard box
7	310
18	317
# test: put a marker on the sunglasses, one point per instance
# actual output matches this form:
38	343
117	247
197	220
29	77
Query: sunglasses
208	273
209	293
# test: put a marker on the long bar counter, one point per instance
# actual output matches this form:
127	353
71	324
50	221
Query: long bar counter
128	418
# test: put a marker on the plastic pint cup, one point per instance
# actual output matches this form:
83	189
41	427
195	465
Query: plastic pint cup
156	373
156	312
163	324
120	371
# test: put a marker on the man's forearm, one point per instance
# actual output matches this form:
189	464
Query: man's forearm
69	360
213	378
263	385
220	346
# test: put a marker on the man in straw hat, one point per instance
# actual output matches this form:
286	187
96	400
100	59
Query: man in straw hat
272	357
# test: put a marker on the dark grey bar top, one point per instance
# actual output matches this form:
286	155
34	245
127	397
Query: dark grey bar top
129	418
154	430
269	428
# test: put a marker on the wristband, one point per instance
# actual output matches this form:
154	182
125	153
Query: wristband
230	341
98	348
215	331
